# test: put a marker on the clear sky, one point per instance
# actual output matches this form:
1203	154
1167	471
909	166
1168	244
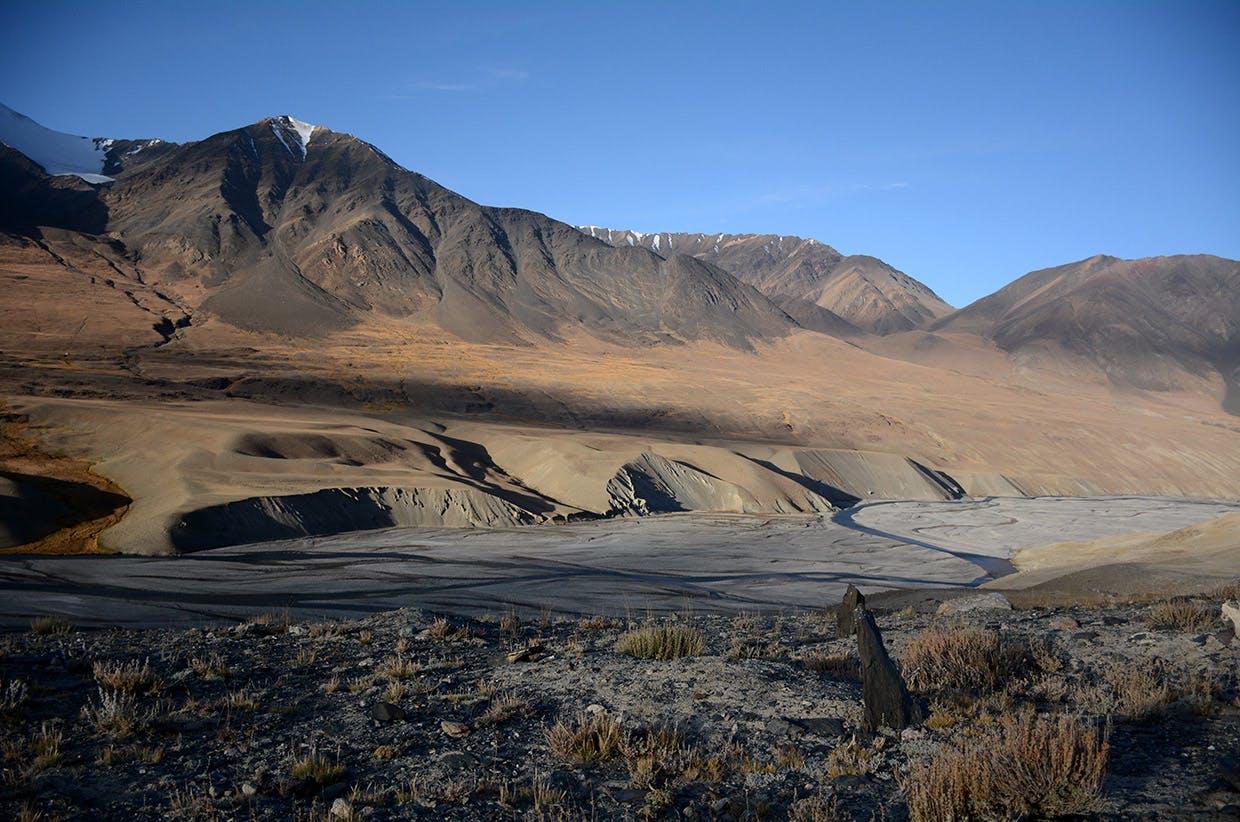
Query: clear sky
966	143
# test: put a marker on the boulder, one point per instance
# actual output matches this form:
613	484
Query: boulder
1233	613
845	622
387	712
887	700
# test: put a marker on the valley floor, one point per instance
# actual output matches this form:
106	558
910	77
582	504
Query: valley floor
668	563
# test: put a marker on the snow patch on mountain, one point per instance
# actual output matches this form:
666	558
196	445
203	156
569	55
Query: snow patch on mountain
58	153
286	128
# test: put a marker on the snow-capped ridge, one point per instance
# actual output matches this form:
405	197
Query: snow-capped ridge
58	153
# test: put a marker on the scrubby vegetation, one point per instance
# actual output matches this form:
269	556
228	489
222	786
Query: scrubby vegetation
406	715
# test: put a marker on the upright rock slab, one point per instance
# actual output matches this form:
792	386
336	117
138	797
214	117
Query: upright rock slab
887	700
845	618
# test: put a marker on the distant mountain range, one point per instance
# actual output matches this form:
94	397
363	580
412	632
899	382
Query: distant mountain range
285	227
794	271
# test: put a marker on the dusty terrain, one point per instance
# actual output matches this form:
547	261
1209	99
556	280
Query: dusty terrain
402	715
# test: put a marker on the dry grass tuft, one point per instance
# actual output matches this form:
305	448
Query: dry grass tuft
505	708
597	623
314	766
510	626
1029	766
133	676
46	747
51	626
397	667
662	642
1228	590
1181	614
588	740
959	656
209	667
838	665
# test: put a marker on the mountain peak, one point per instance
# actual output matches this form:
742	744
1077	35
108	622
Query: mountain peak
293	133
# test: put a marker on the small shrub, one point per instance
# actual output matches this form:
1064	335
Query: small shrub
1030	766
588	740
51	626
13	697
510	625
1181	614
662	642
1140	690
115	713
440	628
133	676
943	657
814	809
332	685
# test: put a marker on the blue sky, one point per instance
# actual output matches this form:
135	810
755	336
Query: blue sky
966	143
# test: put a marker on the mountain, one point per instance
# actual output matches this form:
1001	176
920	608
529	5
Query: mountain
1152	323
288	227
795	272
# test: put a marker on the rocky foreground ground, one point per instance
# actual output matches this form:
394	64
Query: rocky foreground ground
1125	711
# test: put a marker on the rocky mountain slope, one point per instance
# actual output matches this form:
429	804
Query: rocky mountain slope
801	273
286	227
1151	323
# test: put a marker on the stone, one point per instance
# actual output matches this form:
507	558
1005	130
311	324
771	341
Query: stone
845	623
387	712
248	789
527	654
779	727
1065	623
1233	613
595	709
457	729
887	700
979	602
341	809
828	727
